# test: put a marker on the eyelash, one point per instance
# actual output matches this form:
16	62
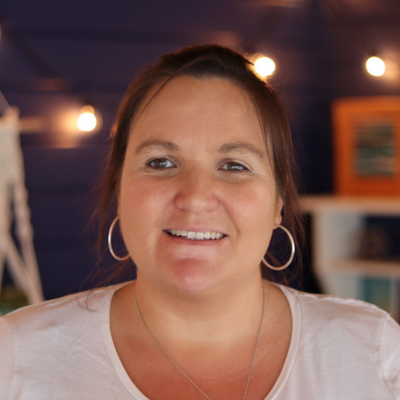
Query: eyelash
159	160
235	166
229	166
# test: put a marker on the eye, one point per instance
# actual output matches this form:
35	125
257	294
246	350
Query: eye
233	167
161	163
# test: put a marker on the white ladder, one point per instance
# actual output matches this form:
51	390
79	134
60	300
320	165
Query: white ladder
21	259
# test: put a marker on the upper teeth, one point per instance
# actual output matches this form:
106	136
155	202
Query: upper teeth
196	235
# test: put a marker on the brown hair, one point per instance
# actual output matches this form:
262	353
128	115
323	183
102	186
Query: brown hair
207	61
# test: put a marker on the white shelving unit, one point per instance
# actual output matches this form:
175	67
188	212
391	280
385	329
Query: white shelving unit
336	224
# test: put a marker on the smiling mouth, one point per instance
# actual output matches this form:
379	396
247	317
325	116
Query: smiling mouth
191	235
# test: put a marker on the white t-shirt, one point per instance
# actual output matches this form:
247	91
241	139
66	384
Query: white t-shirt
62	349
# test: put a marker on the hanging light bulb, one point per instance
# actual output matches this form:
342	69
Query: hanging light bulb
264	66
87	120
375	66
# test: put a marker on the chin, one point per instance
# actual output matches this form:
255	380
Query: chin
195	277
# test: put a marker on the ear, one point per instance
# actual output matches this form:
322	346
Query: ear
278	211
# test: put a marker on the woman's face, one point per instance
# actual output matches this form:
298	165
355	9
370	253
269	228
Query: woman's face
198	200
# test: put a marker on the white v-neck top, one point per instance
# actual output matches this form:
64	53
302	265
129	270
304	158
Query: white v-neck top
63	349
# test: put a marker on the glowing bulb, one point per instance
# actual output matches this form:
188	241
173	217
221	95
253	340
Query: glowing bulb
87	120
264	66
375	66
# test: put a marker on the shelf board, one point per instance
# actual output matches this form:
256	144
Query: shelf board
377	268
389	206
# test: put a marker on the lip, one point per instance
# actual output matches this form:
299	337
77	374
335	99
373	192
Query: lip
188	242
195	229
185	240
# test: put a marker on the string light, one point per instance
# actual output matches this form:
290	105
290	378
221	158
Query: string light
375	66
264	66
87	120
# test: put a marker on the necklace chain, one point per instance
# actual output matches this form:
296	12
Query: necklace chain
182	371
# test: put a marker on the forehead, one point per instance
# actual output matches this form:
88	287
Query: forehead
212	107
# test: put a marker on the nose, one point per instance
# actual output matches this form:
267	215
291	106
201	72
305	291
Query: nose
197	192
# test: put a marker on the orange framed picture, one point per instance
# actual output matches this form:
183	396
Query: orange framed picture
366	139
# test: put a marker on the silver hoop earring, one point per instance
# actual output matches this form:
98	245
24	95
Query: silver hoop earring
110	231
265	262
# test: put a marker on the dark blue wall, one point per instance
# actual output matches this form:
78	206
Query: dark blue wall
320	57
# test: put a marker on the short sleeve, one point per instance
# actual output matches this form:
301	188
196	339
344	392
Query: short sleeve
391	355
6	361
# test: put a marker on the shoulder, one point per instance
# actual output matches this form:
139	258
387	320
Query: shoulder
325	320
73	310
358	338
324	309
57	346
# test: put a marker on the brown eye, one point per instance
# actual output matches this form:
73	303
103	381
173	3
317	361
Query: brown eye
233	167
161	163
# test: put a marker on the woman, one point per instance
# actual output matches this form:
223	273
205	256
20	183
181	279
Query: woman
199	176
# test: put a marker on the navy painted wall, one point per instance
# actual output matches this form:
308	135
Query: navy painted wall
319	54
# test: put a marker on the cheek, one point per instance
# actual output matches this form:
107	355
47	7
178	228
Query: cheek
143	206
255	221
142	194
256	207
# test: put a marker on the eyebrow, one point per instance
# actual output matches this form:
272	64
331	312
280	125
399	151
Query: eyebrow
157	143
242	147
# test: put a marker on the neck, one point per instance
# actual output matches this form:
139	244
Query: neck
225	315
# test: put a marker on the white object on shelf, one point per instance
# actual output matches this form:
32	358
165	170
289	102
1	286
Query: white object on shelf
14	206
336	223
